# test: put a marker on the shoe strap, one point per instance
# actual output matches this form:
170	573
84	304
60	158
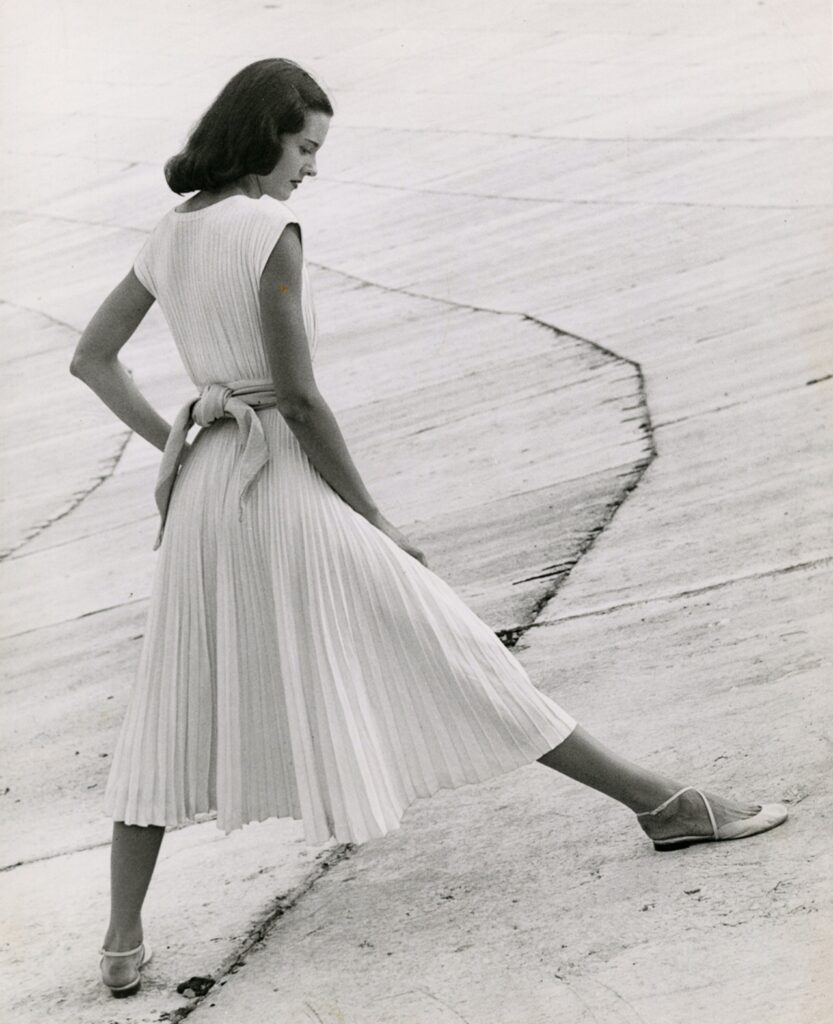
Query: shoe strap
710	812
127	952
670	800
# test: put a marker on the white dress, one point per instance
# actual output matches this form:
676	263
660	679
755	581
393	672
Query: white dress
296	662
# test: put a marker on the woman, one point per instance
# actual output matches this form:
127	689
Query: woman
300	658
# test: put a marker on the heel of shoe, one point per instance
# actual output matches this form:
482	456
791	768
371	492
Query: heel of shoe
120	991
680	844
126	990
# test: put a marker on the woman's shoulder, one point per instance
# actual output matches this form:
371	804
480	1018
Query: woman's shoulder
269	219
276	210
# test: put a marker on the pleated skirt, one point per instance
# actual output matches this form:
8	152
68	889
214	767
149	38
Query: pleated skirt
299	663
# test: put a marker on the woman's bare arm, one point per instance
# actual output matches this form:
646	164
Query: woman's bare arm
300	402
96	362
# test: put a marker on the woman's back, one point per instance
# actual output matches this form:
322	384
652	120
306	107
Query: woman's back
204	269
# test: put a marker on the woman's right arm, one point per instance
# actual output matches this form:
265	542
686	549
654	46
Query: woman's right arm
299	401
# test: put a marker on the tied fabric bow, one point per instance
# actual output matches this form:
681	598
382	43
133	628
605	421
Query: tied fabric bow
237	399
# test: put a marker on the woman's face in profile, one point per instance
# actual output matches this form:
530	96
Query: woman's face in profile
298	159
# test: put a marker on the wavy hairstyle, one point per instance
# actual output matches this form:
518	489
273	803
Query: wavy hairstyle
240	132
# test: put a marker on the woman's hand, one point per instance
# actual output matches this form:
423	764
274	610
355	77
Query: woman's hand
397	537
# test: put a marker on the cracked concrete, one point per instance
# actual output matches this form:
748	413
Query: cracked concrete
45	478
68	662
677	595
681	227
422	190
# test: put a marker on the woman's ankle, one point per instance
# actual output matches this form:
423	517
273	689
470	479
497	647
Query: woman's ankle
646	801
120	939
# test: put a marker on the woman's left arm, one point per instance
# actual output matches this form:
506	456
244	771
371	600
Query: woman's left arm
95	360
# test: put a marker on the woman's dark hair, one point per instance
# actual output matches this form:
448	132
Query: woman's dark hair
240	132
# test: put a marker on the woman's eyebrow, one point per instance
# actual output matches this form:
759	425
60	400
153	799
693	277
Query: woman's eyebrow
313	142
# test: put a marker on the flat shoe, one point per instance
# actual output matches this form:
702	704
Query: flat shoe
768	816
132	986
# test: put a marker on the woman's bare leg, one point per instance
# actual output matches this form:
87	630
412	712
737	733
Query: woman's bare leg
132	860
586	760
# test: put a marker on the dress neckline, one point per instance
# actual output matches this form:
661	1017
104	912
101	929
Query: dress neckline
205	209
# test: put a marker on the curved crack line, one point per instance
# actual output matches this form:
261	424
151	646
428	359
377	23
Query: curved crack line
509	637
110	465
457	304
74	501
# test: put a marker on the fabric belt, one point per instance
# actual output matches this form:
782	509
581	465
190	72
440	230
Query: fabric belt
238	399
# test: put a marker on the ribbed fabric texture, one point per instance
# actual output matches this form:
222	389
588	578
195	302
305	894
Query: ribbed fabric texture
298	662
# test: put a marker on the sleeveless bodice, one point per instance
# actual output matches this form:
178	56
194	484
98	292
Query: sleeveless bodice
204	270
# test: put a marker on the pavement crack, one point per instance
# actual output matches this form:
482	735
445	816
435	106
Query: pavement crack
79	496
567	201
74	618
442	1002
53	856
510	636
314	1012
629	140
74	501
775	393
38	312
456	304
261	928
72	850
691	591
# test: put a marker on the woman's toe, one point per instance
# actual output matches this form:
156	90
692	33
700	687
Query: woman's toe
726	812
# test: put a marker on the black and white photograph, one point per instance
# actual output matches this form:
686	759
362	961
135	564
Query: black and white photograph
417	489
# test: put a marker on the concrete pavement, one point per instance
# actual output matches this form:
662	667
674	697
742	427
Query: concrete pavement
598	235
